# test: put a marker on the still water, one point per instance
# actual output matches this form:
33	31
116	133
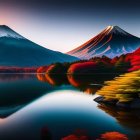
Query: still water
41	107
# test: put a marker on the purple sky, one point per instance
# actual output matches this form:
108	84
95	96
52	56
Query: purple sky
65	24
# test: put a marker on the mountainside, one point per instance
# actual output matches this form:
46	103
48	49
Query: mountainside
16	50
113	41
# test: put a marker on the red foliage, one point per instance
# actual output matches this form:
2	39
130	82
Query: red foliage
42	69
134	59
134	68
45	69
114	60
81	67
113	136
50	68
75	137
105	136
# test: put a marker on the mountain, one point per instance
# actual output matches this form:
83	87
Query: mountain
113	41
15	50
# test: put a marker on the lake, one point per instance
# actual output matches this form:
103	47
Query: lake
43	107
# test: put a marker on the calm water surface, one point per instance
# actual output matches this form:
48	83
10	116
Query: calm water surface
40	107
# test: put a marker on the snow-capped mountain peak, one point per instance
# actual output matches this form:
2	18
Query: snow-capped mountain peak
115	30
118	40
17	51
5	31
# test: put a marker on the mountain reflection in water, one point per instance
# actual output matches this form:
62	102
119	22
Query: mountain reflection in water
57	105
18	90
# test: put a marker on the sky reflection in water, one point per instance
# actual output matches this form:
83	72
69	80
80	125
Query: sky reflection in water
61	108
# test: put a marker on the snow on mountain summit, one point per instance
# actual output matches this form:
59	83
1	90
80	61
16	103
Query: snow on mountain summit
5	31
112	41
116	30
17	51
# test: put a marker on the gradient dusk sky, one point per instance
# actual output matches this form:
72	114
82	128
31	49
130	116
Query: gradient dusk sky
65	24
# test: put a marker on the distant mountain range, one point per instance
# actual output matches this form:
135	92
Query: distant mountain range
15	50
113	41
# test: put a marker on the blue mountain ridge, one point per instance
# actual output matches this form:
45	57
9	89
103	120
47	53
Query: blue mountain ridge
17	51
